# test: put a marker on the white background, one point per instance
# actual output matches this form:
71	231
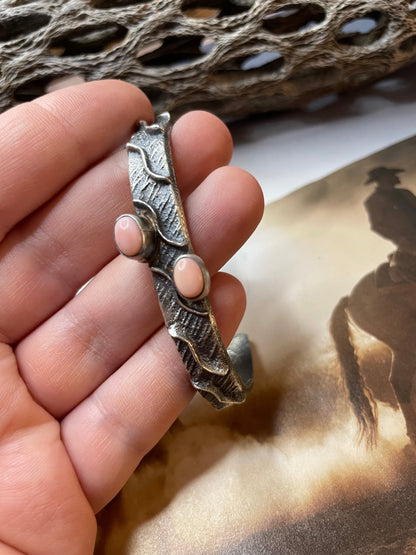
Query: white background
285	151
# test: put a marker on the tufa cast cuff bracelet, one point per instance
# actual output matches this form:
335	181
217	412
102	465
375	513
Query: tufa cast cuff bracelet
157	234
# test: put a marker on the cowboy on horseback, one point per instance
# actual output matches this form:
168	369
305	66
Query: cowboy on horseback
383	304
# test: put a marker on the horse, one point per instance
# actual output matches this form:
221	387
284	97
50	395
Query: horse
388	313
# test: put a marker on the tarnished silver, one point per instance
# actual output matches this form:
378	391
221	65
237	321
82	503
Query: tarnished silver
190	322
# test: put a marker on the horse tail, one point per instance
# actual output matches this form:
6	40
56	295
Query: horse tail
364	406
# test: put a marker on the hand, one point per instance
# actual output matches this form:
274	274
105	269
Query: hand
89	383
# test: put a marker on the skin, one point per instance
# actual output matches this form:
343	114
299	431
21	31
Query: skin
90	383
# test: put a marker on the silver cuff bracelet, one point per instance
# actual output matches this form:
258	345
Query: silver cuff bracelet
180	277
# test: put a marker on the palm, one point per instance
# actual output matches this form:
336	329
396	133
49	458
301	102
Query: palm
89	383
37	475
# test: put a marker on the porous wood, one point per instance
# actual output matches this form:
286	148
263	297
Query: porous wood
203	53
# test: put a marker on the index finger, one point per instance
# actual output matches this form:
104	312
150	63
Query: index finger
61	135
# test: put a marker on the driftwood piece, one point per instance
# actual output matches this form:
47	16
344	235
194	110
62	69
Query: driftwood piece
231	57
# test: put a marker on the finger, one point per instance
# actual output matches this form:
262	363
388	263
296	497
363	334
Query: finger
130	412
51	254
46	143
204	143
100	328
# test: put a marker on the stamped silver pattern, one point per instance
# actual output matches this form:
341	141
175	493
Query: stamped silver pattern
190	322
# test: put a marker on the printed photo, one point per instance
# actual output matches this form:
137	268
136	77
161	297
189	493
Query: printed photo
321	458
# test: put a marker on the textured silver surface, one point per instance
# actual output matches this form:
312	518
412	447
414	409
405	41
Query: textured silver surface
231	57
190	322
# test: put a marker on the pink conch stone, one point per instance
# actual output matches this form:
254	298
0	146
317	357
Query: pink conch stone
188	278
128	236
